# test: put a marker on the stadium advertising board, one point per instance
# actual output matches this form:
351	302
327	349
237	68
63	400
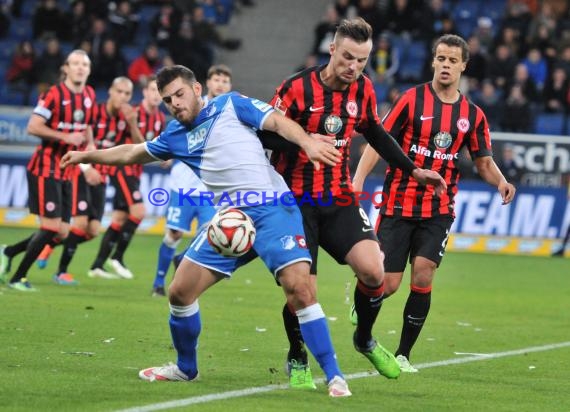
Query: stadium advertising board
13	124
543	160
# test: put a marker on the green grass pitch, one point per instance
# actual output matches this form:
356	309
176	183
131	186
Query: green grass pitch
80	348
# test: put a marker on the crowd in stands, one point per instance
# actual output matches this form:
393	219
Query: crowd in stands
519	68
122	37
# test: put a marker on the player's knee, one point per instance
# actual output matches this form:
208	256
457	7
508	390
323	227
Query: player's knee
138	211
172	238
371	276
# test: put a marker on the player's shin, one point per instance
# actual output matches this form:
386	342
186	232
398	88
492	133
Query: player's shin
185	327
367	303
317	337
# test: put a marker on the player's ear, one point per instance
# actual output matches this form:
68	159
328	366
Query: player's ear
197	88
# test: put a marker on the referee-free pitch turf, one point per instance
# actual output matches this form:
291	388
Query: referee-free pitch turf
80	348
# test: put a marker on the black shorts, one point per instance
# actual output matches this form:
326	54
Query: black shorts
48	197
127	191
88	200
334	227
402	239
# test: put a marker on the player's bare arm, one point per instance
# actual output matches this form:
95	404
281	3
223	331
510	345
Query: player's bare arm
318	150
366	163
491	173
126	154
37	127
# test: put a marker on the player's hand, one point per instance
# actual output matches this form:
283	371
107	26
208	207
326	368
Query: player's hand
75	138
92	176
430	177
319	150
323	138
507	191
130	113
71	158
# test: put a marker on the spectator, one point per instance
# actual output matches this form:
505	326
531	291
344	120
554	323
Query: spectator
109	65
384	61
48	20
371	13
563	60
537	68
484	32
402	18
433	20
345	9
47	69
501	67
145	65
77	21
165	25
522	78
186	50
123	22
324	33
517	114
477	65
4	20
545	42
97	35
20	74
555	92
489	99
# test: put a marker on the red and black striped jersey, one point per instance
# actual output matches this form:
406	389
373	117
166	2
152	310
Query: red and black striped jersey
319	109
150	125
432	134
109	131
67	112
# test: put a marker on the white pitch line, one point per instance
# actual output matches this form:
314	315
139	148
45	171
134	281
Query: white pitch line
269	388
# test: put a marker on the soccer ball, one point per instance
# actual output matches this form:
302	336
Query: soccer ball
231	232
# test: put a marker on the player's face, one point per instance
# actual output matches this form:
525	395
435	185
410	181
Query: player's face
218	84
447	65
77	68
120	93
182	100
151	94
349	59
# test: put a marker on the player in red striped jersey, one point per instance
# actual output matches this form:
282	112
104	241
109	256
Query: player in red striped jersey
62	120
113	121
337	100
432	122
127	125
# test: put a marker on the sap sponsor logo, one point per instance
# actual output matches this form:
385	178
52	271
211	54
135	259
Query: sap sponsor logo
496	244
262	106
527	246
436	154
462	242
196	136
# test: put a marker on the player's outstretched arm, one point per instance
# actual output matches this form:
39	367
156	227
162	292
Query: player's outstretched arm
491	173
317	149
125	154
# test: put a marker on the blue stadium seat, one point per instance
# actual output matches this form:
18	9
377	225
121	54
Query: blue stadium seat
549	123
131	52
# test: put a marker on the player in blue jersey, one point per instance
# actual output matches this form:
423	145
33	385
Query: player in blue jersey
180	213
219	143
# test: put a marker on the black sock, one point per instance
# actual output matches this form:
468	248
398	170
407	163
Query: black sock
177	259
297	349
566	238
107	245
415	314
367	302
19	247
76	237
127	232
35	246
